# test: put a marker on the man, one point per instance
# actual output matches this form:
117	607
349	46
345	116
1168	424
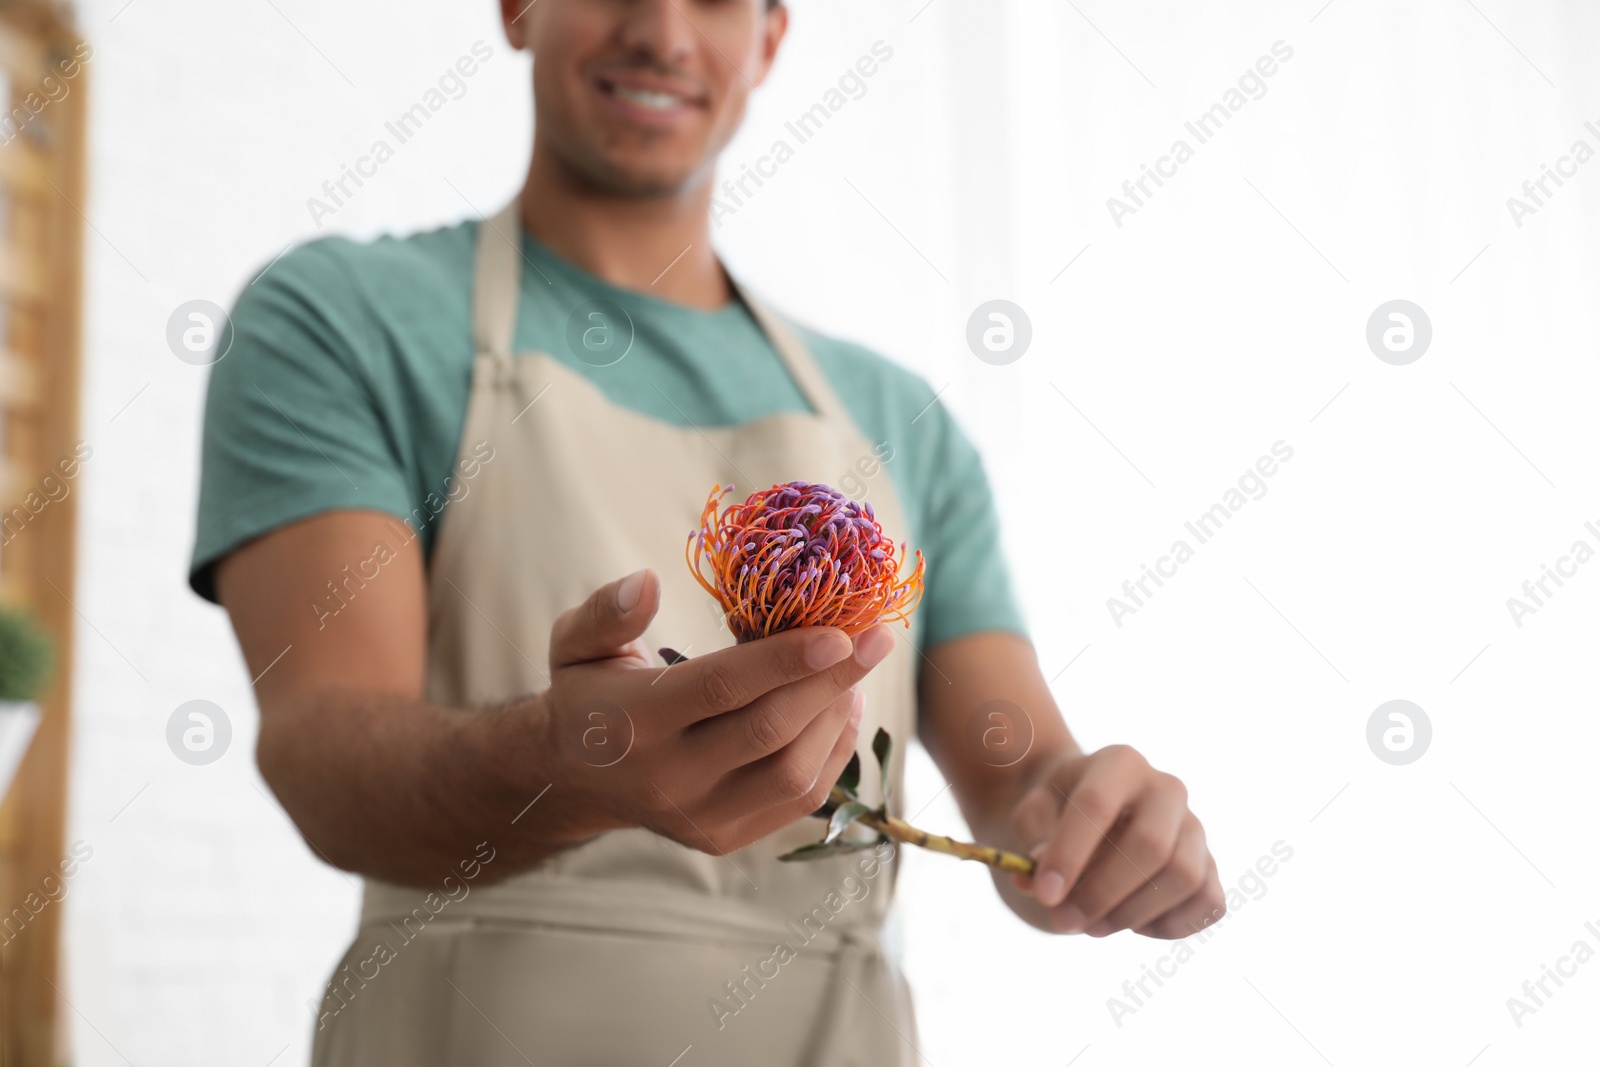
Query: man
446	484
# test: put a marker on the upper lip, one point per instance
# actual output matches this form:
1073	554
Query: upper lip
639	81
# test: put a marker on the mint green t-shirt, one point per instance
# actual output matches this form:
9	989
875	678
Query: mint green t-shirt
347	380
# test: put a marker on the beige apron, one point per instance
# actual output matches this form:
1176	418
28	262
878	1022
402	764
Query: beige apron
617	952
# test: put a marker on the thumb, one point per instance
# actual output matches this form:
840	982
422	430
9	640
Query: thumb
1032	819
603	625
1035	816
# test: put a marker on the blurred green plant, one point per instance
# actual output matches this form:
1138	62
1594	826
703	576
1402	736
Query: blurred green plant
26	656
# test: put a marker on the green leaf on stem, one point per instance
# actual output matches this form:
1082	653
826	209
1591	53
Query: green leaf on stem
825	849
850	778
881	747
843	816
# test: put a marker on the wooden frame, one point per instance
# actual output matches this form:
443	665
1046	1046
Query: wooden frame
41	242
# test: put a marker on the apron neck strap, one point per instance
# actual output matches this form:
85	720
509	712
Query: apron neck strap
497	283
497	287
796	356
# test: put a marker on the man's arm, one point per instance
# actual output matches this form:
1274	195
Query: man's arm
1116	843
377	779
727	747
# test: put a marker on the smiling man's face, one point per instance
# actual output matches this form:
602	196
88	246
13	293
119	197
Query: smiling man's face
639	96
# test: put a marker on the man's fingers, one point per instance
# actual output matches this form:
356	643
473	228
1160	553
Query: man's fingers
775	719
1141	849
1183	876
730	678
1205	908
604	625
795	780
1090	808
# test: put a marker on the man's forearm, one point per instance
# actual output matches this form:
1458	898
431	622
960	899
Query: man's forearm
995	674
988	815
403	791
990	794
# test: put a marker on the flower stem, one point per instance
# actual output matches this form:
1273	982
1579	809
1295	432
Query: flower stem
900	830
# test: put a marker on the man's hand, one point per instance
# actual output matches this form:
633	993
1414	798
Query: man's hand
714	752
726	747
1117	848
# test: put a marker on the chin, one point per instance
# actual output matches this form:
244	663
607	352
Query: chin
643	177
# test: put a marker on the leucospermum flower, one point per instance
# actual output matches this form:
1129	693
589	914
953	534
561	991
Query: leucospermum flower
800	554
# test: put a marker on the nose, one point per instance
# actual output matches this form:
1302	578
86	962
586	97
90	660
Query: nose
660	30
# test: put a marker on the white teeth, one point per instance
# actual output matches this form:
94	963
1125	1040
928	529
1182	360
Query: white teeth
660	101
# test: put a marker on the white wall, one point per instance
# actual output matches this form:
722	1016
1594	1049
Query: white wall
1227	314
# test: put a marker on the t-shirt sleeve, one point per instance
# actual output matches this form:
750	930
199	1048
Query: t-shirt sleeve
292	427
968	587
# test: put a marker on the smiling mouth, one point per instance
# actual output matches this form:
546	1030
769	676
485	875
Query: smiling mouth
658	100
